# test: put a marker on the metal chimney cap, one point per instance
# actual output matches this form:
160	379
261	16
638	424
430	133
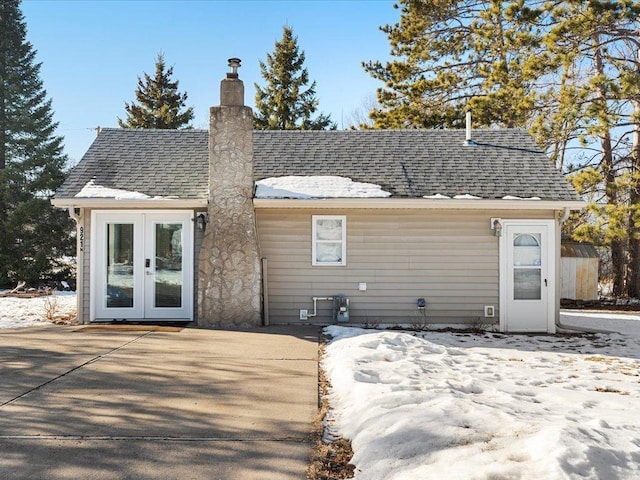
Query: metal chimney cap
234	63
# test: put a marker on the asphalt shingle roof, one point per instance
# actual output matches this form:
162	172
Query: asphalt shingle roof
407	163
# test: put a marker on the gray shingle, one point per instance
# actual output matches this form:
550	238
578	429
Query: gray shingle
154	162
407	163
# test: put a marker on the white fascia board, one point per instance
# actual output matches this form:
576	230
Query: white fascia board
408	203
149	204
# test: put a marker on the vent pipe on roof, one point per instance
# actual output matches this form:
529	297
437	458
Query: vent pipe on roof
467	139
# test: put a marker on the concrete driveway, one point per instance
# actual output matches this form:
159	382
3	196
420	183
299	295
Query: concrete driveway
126	402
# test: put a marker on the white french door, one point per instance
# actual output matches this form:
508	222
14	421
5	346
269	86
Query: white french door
528	276
142	265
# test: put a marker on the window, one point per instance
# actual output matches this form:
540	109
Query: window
329	244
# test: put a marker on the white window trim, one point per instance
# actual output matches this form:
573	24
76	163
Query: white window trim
314	261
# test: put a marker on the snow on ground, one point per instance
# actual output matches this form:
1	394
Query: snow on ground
488	406
320	186
472	406
27	312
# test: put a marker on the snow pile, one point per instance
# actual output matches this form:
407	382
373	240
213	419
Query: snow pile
27	312
92	190
489	406
301	187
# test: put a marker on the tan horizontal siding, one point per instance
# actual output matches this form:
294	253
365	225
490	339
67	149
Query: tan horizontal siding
450	258
86	288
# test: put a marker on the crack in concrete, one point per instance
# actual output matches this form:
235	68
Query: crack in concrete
77	367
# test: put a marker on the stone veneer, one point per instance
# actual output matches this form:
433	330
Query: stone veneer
229	270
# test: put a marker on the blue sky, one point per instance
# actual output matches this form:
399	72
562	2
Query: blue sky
93	51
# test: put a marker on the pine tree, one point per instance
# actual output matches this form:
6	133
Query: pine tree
567	70
284	103
595	44
33	235
159	102
451	56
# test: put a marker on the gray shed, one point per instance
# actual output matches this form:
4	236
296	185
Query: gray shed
578	271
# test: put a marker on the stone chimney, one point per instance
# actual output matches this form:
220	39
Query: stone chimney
229	273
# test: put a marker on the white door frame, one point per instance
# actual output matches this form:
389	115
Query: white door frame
552	275
142	220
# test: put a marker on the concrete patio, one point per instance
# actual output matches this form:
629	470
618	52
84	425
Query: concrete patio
116	402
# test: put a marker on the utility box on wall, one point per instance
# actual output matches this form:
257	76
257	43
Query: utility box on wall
578	271
340	308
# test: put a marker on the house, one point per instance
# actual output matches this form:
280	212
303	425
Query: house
234	227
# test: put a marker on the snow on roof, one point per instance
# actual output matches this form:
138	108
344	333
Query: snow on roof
467	196
440	196
92	190
327	186
513	197
437	196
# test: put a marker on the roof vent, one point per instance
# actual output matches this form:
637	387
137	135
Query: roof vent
467	140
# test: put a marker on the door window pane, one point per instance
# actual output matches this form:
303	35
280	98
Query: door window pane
168	265
527	250
120	265
527	284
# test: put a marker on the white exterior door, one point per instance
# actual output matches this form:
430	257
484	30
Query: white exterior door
528	276
142	266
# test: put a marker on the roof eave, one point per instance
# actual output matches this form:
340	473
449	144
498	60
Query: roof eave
147	203
424	203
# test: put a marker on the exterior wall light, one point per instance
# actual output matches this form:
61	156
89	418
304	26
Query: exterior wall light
201	220
496	225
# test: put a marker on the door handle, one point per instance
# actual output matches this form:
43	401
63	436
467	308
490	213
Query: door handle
545	282
147	262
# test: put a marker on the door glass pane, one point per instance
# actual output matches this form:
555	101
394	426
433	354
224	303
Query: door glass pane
168	265
527	284
527	250
119	265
